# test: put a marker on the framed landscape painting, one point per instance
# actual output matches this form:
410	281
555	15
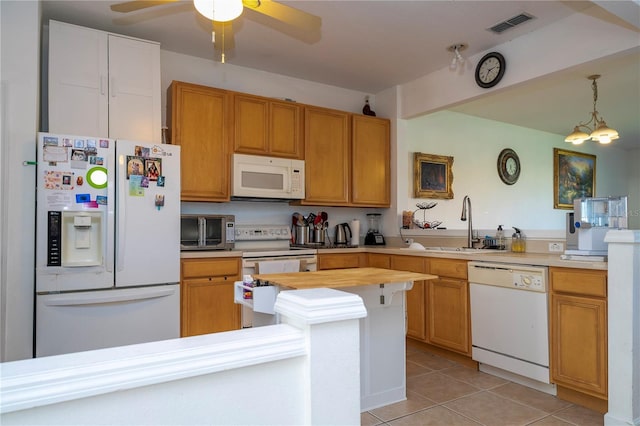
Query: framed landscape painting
432	175
574	176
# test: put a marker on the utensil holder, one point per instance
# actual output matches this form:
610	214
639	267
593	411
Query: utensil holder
302	235
318	235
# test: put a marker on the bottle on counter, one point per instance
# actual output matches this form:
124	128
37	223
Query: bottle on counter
518	242
247	281
500	242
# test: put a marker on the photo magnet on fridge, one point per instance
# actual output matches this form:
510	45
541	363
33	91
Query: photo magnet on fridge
135	186
135	166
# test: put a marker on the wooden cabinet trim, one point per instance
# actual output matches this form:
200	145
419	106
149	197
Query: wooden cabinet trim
452	268
199	268
578	281
341	260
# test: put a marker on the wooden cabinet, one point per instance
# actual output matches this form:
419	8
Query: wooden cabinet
207	300
341	260
416	297
347	159
378	260
370	161
200	124
265	126
579	330
103	84
448	311
327	157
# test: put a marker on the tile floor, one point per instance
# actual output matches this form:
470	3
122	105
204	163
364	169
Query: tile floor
443	392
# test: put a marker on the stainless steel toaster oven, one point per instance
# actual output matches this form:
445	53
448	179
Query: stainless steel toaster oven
207	232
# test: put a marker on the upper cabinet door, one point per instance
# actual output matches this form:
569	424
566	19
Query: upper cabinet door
327	154
200	124
134	90
78	81
267	127
250	124
370	162
286	129
103	85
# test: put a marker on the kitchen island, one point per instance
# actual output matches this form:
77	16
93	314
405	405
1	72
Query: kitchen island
382	331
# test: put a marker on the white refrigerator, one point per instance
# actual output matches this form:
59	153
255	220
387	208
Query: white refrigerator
108	243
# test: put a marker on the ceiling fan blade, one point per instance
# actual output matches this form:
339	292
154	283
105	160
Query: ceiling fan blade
287	14
151	14
131	6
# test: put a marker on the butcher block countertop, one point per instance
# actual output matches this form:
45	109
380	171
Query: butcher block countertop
341	278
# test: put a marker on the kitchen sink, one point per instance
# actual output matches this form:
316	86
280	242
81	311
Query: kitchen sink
457	250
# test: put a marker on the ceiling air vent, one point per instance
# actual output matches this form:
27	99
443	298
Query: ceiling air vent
511	22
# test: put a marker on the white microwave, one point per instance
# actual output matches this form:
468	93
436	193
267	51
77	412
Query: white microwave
256	176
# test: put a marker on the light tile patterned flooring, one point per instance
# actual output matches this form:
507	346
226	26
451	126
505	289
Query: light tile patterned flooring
443	392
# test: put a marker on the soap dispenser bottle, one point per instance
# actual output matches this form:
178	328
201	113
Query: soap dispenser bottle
500	243
518	243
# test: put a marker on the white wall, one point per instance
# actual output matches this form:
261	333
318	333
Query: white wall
20	38
475	144
206	72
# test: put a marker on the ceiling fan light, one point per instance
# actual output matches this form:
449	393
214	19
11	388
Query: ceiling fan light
577	137
219	10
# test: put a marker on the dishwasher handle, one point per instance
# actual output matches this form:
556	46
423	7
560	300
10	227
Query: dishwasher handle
492	268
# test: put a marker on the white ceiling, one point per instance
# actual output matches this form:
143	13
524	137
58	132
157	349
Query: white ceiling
371	45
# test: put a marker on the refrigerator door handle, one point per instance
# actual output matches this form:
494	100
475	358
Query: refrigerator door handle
109	296
121	202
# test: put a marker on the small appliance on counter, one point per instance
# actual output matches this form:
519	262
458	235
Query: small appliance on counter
343	234
590	221
207	232
374	237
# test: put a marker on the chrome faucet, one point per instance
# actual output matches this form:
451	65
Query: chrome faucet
463	217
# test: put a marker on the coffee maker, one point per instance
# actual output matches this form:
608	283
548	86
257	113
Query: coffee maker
374	237
590	221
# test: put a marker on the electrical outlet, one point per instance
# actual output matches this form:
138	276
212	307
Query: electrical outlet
556	247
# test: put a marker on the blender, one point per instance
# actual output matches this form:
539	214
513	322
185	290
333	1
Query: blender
374	237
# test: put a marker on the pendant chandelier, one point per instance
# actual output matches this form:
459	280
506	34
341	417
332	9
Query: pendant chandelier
601	132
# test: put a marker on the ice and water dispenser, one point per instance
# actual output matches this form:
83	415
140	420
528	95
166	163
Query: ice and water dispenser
75	238
590	221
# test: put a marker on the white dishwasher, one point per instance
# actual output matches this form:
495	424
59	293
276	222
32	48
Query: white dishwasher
509	322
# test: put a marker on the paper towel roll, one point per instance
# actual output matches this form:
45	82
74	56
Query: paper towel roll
355	232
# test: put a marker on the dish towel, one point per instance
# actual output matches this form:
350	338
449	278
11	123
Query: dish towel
278	266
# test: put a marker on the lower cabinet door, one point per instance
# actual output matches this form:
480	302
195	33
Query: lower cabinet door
416	297
208	306
579	343
448	314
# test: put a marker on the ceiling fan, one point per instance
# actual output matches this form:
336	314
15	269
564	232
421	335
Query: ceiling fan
222	12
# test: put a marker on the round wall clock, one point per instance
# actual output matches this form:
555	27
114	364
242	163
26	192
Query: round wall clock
490	70
508	166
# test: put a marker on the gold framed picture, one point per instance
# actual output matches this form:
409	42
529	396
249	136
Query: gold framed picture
574	176
432	176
